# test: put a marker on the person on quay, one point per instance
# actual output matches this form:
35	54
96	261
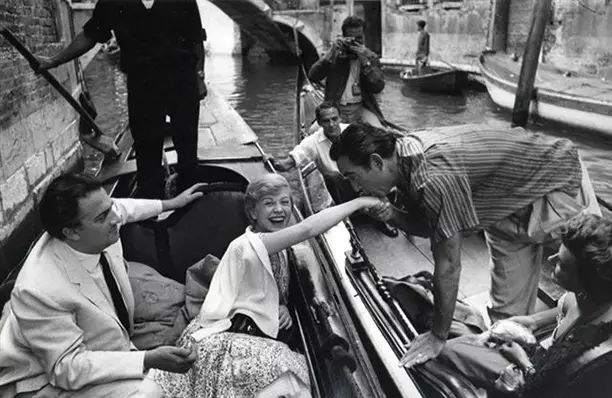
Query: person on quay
246	315
66	329
352	74
582	320
518	187
422	54
162	53
315	148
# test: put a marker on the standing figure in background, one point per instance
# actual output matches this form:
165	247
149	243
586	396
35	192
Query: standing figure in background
422	53
352	75
162	54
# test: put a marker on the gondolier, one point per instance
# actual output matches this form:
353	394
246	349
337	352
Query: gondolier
516	186
422	53
163	55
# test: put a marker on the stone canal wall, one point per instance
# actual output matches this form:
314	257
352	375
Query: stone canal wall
38	130
578	37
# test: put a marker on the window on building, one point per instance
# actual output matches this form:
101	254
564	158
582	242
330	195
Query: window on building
412	5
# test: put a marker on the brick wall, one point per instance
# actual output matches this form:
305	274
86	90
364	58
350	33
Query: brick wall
38	135
458	29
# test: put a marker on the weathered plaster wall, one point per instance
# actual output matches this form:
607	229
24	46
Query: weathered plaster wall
579	36
458	30
38	129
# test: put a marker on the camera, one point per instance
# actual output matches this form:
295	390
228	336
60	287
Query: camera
344	45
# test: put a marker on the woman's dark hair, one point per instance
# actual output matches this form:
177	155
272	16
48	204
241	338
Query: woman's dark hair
360	140
352	22
59	207
589	238
325	105
421	24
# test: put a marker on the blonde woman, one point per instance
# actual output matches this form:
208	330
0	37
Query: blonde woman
238	331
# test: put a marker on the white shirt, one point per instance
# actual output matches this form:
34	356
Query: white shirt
315	148
347	96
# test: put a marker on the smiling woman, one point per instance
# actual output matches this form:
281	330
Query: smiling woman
244	331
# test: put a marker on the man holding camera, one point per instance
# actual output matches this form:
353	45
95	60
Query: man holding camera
352	75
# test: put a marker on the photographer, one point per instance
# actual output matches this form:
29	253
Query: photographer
352	75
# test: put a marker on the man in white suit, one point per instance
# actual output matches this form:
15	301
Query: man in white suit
66	331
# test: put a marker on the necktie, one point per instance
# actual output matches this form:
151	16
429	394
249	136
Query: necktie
118	302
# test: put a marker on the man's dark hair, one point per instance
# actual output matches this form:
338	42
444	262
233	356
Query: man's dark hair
421	24
59	207
360	140
589	238
352	22
325	105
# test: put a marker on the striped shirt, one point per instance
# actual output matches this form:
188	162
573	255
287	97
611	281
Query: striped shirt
466	178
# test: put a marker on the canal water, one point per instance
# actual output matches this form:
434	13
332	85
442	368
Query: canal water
263	94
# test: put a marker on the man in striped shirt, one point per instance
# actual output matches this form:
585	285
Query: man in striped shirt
518	187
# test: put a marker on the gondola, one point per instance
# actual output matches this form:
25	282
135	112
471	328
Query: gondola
364	260
435	80
561	96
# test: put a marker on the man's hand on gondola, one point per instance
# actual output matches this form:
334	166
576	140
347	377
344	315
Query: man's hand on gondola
44	63
184	198
425	347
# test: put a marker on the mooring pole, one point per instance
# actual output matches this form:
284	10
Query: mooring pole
529	67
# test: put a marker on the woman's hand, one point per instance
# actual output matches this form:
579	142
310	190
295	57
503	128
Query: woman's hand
383	211
284	318
525	320
369	202
514	353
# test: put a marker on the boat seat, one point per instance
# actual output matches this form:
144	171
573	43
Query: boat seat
206	226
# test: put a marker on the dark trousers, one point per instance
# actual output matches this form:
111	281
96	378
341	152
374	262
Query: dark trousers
154	92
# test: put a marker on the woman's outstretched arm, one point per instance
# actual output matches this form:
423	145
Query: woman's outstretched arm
315	224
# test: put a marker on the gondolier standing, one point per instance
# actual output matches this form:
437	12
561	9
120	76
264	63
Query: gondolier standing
519	187
422	53
352	75
162	53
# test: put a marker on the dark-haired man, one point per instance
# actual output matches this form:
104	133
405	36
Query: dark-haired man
69	319
315	148
517	186
352	75
162	53
422	53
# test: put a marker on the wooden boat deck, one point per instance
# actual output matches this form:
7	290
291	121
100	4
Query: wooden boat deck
551	78
407	255
223	136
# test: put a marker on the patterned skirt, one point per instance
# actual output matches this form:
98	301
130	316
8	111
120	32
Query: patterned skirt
231	365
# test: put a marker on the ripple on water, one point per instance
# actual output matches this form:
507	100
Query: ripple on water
263	94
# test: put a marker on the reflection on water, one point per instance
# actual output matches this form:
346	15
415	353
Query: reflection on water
263	95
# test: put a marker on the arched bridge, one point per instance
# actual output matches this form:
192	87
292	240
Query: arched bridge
271	23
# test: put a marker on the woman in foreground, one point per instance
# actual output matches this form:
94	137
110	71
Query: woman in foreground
244	325
583	320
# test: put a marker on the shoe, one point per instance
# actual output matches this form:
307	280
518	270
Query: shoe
386	229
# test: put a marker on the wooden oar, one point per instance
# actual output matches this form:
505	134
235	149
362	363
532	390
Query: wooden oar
97	139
